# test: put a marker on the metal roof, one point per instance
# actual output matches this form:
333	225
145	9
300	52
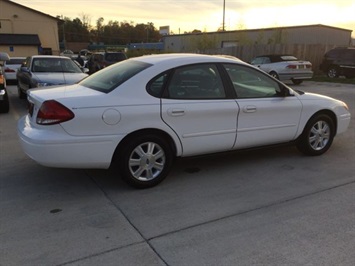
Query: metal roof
19	39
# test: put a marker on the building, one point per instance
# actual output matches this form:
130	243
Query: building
310	34
25	31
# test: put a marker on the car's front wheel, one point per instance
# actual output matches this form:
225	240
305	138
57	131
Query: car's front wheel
297	81
317	136
145	160
5	104
21	94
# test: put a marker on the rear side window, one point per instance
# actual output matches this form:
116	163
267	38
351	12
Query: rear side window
115	57
111	77
200	81
15	61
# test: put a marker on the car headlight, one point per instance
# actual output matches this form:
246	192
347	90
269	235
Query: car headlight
43	84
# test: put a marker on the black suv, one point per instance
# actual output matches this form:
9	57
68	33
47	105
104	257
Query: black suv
339	62
101	60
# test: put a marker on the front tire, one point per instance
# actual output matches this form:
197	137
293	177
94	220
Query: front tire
333	72
297	81
145	160
21	94
5	104
317	136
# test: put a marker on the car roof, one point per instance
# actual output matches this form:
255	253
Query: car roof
50	56
181	59
275	55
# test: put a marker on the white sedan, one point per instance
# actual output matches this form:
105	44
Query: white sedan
139	114
284	67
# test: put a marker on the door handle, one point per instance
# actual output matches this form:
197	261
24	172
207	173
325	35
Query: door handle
176	112
249	109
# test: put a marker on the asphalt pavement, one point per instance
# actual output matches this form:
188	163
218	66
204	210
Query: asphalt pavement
264	207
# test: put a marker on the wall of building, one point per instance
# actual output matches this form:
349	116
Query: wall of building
16	19
313	34
20	50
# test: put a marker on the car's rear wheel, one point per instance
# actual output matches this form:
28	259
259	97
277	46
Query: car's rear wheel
145	160
317	136
274	74
333	72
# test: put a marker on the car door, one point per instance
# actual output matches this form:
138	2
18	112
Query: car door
195	106
267	115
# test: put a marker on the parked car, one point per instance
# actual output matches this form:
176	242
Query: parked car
47	70
139	114
4	97
339	62
101	60
68	53
11	66
284	67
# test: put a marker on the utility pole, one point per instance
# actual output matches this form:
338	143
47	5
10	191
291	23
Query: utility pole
224	13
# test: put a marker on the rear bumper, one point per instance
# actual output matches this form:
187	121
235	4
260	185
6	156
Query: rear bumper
301	75
58	149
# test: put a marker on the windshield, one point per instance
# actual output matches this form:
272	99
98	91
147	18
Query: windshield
288	58
111	77
55	65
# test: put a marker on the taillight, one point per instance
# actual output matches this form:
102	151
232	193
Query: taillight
292	66
53	112
8	70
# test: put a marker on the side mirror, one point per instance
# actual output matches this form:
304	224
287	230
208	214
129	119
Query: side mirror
24	69
284	91
85	70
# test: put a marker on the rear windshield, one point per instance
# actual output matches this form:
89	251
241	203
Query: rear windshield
115	57
111	77
288	58
15	61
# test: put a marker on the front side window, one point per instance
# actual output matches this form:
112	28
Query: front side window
111	77
251	83
201	81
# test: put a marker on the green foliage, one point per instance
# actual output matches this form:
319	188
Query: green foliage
114	32
204	42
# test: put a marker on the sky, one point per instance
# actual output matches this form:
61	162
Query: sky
205	15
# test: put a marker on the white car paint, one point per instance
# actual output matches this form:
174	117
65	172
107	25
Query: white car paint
195	126
11	66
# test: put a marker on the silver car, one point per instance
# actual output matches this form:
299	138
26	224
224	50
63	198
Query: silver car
11	66
47	70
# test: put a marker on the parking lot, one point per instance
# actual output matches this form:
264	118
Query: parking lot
269	207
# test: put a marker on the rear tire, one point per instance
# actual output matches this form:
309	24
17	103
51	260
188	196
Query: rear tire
317	136
144	160
274	75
